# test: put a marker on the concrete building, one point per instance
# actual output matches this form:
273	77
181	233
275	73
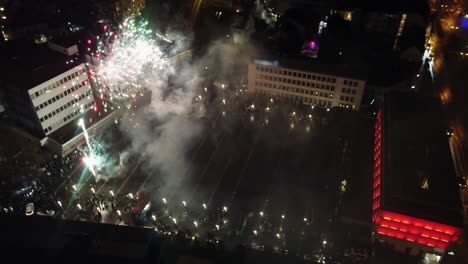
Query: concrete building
47	85
310	84
416	201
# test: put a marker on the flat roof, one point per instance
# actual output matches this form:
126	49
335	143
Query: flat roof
415	151
347	70
71	129
27	64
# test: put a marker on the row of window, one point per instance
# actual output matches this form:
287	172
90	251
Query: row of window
347	98
350	83
304	75
70	116
295	90
299	99
348	90
64	93
295	82
296	74
57	83
65	106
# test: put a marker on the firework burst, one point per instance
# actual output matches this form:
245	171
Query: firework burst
128	56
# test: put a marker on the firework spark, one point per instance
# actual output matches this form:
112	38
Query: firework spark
129	56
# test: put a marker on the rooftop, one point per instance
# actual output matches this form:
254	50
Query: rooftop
354	71
418	174
71	129
27	64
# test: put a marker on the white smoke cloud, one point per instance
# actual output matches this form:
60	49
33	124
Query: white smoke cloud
163	131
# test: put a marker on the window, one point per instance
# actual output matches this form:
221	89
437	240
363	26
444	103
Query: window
45	130
61	81
333	80
327	87
54	113
342	98
37	108
61	95
345	82
343	90
353	91
41	119
49	115
328	79
61	108
351	99
41	92
41	106
313	77
45	104
294	74
53	99
36	94
355	84
280	71
271	70
332	88
309	76
49	101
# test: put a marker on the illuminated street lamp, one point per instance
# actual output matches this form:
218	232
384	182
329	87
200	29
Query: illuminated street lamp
261	213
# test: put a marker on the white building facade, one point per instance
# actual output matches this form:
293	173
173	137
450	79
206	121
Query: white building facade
63	98
301	86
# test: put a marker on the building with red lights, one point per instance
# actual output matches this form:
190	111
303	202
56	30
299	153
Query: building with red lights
416	201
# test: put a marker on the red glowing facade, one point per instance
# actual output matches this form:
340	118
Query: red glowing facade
405	227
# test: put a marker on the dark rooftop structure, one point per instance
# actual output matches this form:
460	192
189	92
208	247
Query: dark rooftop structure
37	61
418	177
48	240
387	6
